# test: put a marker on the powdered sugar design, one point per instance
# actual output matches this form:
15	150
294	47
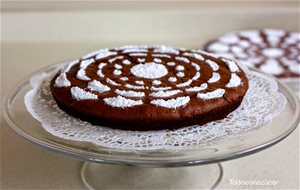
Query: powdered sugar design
273	52
215	77
97	86
100	67
121	102
126	62
180	74
179	68
129	93
214	66
172	103
140	82
104	53
197	88
234	81
134	87
117	72
62	81
218	93
261	103
162	94
149	70
81	74
80	94
266	54
156	82
172	79
194	55
108	80
183	59
272	66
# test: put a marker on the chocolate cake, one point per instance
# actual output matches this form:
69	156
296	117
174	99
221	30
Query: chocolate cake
149	88
273	51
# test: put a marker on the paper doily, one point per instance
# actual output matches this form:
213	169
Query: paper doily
261	103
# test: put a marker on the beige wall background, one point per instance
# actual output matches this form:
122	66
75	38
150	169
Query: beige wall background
157	22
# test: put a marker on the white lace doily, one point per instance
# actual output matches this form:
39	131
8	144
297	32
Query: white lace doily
261	103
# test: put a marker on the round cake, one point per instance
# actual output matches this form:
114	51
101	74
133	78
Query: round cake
149	88
273	51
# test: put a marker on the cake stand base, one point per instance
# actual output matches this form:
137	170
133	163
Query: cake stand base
103	176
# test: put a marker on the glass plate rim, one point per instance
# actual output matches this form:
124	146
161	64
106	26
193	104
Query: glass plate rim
145	161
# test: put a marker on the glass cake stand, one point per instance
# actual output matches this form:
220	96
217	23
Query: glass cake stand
153	166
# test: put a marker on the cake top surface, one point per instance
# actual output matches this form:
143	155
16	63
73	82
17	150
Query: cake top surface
274	51
162	76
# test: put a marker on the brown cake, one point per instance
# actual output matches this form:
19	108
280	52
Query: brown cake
273	51
149	88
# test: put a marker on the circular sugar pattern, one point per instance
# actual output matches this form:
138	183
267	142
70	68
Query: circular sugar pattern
147	79
274	51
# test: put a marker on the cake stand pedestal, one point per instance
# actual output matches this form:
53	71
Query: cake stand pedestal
103	176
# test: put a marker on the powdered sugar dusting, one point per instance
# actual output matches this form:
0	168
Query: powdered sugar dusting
104	53
156	82
180	74
121	94
214	66
124	78
162	94
263	49
218	93
215	77
149	70
161	55
126	62
97	86
154	88
62	81
171	63
197	88
117	72
186	83
272	66
69	66
129	93
234	81
140	82
273	52
194	55
115	58
231	64
218	47
196	66
172	103
85	63
172	79
183	59
108	80
179	68
100	67
121	102
134	87
82	75
80	94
